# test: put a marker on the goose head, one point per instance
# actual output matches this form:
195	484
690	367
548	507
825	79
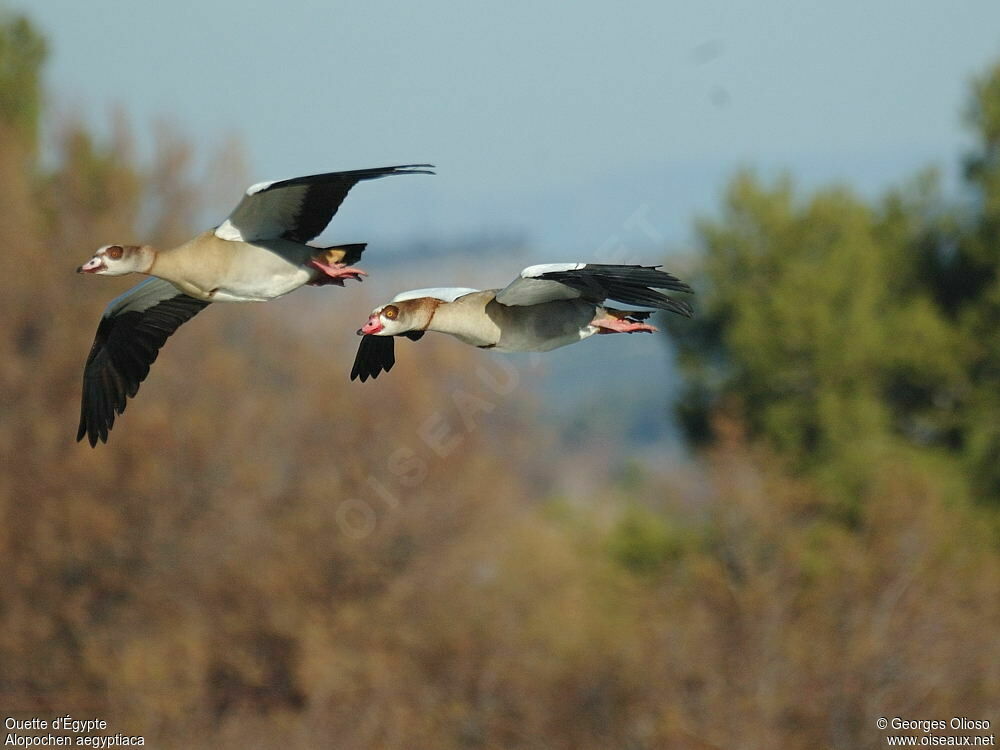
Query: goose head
118	260
397	318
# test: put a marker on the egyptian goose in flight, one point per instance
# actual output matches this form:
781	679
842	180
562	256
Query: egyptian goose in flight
258	253
546	307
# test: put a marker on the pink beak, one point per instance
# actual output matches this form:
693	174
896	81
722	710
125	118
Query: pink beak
374	325
91	266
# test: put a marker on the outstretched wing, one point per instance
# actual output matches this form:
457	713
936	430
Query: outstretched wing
376	354
132	330
631	285
300	208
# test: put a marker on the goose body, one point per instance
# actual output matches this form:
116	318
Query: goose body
548	306
257	254
236	271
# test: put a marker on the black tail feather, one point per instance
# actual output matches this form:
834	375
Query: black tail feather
346	254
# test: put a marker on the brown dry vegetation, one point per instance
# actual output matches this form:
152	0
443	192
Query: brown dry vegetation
205	580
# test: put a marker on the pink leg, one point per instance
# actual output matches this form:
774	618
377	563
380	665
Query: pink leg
334	274
610	324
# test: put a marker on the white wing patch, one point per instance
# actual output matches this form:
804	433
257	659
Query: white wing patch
258	186
246	212
263	214
533	271
228	231
445	294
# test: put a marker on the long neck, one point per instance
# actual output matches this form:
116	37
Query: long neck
175	265
148	260
421	313
466	319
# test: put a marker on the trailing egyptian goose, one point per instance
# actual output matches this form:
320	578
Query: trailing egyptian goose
547	306
258	253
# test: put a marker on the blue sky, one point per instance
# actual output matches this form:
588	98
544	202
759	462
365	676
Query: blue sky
558	120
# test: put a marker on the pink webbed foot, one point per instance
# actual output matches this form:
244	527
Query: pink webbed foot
611	324
334	274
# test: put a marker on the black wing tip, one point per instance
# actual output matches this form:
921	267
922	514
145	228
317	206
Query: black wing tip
347	179
360	373
93	433
126	345
413	169
650	276
385	171
627	284
96	422
371	372
676	284
81	433
376	354
681	308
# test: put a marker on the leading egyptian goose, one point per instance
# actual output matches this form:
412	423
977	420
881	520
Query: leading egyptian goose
258	253
547	306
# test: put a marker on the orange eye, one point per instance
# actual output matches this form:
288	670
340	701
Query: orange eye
115	252
391	312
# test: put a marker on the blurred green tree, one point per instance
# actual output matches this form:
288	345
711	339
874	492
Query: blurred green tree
835	327
969	286
22	52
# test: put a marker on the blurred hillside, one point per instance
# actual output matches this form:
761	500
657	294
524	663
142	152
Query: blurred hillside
267	555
